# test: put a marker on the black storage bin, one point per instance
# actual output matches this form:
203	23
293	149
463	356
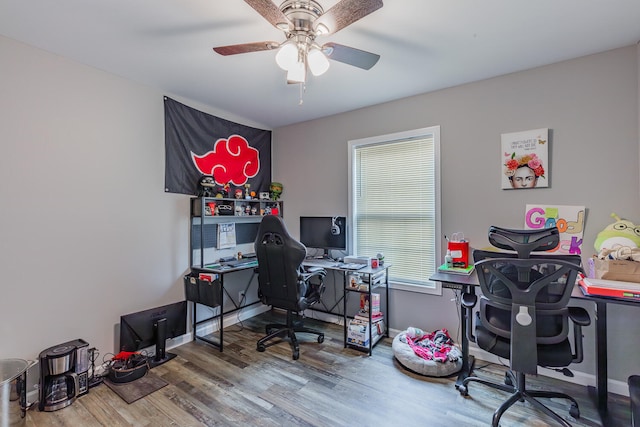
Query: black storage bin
191	286
201	291
209	292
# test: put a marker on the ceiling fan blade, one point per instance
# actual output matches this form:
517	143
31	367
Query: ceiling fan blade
346	12
235	49
271	13
351	56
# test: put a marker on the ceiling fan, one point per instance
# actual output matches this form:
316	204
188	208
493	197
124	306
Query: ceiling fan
302	22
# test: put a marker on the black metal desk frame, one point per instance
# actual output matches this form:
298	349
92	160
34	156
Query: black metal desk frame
332	265
221	272
600	392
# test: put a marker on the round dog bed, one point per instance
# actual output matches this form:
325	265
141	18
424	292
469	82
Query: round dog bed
410	360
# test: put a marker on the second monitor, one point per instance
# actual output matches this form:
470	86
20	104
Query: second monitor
324	232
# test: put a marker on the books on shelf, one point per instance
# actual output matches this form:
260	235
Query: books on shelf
364	315
358	331
610	288
457	270
365	303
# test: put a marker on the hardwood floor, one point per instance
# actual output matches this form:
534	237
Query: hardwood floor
328	386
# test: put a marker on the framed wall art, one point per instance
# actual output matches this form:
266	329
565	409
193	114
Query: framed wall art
525	159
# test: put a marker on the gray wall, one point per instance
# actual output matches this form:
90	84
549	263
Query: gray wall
591	106
87	231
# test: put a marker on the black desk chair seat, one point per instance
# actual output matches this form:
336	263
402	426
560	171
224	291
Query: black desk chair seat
283	283
523	314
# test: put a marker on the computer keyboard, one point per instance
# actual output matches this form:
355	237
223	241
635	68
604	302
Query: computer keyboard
241	262
352	266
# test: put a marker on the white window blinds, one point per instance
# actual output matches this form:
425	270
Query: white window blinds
394	203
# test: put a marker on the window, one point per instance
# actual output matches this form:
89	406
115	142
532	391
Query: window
394	202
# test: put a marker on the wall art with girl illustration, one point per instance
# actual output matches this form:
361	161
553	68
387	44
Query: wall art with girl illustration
525	159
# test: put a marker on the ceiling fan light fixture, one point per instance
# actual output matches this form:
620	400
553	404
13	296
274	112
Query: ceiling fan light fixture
287	56
297	73
318	62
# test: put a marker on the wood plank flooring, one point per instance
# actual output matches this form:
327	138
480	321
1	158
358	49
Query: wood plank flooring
328	386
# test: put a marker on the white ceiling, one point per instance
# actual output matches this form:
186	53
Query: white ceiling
424	45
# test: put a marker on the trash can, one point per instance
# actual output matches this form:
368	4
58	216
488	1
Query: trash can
13	398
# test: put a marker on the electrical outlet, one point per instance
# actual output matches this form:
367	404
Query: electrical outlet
240	296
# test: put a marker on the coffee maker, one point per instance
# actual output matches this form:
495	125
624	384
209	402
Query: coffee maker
64	374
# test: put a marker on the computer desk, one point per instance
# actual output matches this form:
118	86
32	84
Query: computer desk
222	271
600	392
370	272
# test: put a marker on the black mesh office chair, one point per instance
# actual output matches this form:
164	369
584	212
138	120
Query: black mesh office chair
283	283
523	314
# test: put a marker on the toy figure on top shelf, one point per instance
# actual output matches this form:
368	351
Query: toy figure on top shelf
223	192
275	190
206	184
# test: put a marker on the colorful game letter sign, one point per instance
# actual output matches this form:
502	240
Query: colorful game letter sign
568	219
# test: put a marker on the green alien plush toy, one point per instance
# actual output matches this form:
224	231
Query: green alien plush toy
620	233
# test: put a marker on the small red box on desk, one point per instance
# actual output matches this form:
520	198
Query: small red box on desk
459	250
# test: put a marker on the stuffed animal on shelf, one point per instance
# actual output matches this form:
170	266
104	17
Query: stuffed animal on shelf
621	233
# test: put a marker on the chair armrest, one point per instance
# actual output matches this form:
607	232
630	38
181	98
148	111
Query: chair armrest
468	300
313	272
579	316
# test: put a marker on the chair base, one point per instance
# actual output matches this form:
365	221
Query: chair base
289	330
515	384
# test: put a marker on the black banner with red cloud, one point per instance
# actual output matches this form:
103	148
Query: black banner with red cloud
198	143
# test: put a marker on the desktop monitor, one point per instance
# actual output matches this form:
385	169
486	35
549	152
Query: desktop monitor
324	232
153	327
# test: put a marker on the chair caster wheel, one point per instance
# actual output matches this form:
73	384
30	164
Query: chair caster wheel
296	354
261	348
507	380
574	411
463	390
320	339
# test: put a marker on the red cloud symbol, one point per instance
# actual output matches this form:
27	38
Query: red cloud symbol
231	161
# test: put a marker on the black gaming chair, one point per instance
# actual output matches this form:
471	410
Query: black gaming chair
283	283
523	313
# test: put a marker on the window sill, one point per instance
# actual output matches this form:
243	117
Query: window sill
429	290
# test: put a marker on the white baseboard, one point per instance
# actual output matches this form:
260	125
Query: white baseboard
213	326
580	378
324	317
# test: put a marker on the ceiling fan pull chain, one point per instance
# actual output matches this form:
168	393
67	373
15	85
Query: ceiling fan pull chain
303	87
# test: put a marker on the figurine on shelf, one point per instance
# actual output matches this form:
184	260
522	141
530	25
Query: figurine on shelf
254	210
225	190
206	185
253	194
275	190
238	193
247	193
247	210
